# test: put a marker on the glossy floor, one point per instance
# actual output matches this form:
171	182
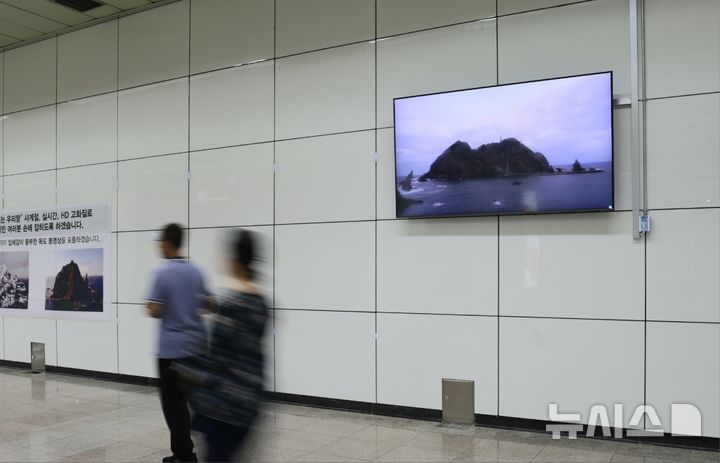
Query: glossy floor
48	417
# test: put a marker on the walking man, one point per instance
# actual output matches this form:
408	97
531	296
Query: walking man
177	291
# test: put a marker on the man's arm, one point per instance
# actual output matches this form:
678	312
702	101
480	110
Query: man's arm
155	309
157	297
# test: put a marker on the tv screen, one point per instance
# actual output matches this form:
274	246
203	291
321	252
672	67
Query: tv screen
527	148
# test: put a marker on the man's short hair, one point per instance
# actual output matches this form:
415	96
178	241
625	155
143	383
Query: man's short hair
173	234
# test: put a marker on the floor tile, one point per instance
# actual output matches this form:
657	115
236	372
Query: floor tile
385	434
50	417
288	421
441	441
157	440
315	457
485	450
117	452
26	455
551	454
405	453
335	427
348	449
300	440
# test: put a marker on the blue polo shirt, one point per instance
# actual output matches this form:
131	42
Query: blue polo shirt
179	286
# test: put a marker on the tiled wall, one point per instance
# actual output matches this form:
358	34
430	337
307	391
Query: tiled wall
181	113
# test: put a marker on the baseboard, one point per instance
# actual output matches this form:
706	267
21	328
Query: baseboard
491	421
371	408
397	411
668	440
91	374
11	364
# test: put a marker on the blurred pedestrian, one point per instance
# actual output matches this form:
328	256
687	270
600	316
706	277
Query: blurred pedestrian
177	292
225	385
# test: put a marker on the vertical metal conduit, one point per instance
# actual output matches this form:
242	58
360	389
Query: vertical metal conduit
637	96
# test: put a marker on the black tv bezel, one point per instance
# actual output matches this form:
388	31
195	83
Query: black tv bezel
610	209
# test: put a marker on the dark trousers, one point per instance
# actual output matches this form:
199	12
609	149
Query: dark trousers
222	439
175	410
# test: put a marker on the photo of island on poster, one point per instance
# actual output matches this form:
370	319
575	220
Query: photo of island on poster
14	280
77	284
533	147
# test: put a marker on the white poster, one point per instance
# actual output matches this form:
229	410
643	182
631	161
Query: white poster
56	262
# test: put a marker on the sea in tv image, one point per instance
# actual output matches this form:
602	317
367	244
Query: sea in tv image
78	284
14	280
537	147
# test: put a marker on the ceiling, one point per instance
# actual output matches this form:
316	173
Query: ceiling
27	20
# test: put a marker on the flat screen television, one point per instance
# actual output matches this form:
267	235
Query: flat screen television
527	148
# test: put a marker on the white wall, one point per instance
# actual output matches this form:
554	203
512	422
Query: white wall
180	112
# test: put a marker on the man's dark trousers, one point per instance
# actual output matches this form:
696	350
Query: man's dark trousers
175	410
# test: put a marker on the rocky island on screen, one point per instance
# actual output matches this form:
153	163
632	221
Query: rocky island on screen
534	147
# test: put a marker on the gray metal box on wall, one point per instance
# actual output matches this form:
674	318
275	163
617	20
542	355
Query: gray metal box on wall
458	401
37	357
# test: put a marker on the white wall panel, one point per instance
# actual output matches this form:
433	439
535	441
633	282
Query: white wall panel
683	266
153	192
138	256
325	266
683	152
154	45
519	6
438	266
89	184
87	345
576	39
411	369
2	340
30	191
209	250
326	354
400	16
87	131
88	61
232	186
30	140
137	341
30	76
386	180
153	119
622	145
682	47
232	107
574	363
315	24
443	59
571	265
20	332
325	178
229	32
325	92
2	82
683	366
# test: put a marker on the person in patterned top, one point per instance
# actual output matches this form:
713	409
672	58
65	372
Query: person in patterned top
224	385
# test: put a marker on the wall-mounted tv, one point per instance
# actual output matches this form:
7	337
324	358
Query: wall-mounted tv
526	148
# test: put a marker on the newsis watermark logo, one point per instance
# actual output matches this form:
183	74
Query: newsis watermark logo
685	420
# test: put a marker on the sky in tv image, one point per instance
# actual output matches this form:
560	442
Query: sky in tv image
77	281
508	149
